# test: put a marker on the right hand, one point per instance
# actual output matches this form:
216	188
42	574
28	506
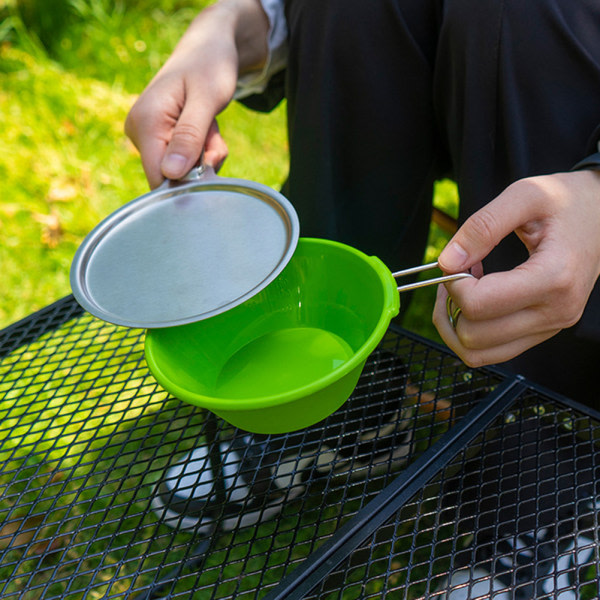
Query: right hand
173	120
557	218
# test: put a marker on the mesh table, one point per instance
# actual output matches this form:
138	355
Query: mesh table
429	471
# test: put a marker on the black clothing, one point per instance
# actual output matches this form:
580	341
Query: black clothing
386	96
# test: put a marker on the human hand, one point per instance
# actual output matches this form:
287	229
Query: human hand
557	217
173	120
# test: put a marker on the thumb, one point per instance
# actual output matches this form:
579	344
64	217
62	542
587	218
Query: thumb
485	229
454	257
186	144
472	242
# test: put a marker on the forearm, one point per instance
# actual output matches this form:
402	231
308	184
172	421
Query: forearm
241	22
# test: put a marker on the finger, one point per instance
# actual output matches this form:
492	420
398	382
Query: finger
497	354
480	335
149	130
487	327
151	158
482	356
484	230
495	295
477	270
493	346
187	139
215	150
555	300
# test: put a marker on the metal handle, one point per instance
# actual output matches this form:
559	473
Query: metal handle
420	284
200	171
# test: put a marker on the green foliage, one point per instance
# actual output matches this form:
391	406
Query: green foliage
111	40
47	20
117	45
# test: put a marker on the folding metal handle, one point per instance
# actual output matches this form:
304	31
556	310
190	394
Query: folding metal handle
420	284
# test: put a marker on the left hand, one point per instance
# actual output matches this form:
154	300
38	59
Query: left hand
557	217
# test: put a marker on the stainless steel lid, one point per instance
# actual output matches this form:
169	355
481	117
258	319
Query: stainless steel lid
187	251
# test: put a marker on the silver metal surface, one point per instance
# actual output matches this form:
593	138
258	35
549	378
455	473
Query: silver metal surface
184	252
420	284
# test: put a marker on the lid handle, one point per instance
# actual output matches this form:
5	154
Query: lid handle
199	171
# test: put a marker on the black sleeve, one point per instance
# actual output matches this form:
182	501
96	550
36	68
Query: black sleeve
266	101
590	162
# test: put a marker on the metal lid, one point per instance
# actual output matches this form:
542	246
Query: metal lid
187	251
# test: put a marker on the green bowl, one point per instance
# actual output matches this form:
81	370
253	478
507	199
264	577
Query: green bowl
289	356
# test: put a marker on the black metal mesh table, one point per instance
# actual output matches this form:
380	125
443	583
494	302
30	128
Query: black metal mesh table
484	469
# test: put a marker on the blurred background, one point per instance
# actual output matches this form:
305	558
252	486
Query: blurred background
69	72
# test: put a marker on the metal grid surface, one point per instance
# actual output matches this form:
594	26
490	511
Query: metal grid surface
513	514
86	436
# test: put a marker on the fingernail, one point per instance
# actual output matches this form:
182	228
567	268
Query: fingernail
455	256
173	165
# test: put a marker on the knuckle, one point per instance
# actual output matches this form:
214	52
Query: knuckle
186	134
530	189
473	360
571	315
527	185
563	281
130	126
483	225
565	306
141	109
572	319
141	115
467	340
472	308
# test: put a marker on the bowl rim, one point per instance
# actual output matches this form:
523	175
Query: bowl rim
391	307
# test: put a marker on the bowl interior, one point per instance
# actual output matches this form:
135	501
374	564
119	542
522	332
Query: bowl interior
322	315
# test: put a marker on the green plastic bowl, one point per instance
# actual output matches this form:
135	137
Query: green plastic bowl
289	356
